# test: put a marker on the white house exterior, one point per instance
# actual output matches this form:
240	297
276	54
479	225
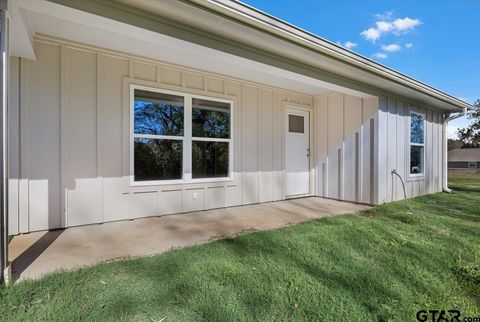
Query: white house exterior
128	109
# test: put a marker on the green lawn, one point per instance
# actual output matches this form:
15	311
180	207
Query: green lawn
382	264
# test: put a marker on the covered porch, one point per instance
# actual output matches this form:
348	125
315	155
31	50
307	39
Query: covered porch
73	76
36	254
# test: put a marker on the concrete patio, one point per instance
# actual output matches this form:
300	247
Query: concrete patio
36	254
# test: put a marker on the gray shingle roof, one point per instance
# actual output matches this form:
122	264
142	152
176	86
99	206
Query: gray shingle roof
464	155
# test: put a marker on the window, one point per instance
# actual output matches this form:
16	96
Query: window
296	124
417	143
158	136
472	165
210	138
177	138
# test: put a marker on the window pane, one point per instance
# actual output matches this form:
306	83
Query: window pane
158	113
416	128
416	159
210	119
296	124
157	159
209	159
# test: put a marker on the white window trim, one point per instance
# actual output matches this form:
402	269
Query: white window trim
416	176
187	139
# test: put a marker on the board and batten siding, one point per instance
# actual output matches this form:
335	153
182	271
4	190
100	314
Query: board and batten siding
393	150
344	146
69	139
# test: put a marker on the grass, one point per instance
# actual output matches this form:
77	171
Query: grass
382	264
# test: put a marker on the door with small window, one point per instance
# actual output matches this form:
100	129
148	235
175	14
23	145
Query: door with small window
297	153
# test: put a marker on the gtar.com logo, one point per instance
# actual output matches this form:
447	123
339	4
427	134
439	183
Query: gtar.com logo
444	316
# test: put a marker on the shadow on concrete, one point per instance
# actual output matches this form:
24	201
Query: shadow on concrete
25	259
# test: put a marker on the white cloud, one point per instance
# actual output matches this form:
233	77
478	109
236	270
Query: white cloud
409	45
452	132
371	34
405	24
387	15
380	55
385	24
350	44
391	48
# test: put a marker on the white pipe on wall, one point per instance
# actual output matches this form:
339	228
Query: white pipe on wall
447	119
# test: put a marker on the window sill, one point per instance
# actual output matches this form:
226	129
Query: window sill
420	177
180	182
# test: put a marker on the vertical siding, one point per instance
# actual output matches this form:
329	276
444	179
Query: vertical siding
70	155
79	133
321	140
400	143
381	152
234	190
265	136
73	139
367	130
393	150
250	145
14	146
351	146
335	124
277	145
42	154
344	139
111	70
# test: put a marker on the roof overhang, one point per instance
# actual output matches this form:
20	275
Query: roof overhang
243	32
270	24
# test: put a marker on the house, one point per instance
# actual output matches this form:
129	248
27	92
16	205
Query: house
127	109
465	159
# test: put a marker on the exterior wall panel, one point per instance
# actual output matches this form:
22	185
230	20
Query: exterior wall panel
111	71
14	147
72	154
335	123
41	155
250	151
74	138
367	130
265	137
344	139
79	135
393	151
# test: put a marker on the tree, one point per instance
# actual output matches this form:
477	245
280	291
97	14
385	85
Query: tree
454	144
470	136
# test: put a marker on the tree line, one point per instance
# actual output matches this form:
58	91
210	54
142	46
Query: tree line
468	137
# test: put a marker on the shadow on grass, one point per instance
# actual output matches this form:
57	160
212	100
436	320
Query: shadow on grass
464	189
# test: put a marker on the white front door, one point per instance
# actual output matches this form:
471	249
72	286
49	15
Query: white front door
297	152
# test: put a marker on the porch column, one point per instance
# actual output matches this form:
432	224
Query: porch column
3	142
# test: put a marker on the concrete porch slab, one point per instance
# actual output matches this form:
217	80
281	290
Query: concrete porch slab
36	254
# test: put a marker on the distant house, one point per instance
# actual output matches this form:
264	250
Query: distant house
464	159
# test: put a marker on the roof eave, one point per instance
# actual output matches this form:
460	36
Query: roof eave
254	17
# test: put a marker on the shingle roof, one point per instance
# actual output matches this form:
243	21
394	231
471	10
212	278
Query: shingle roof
464	155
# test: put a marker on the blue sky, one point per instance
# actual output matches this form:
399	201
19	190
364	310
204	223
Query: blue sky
437	42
